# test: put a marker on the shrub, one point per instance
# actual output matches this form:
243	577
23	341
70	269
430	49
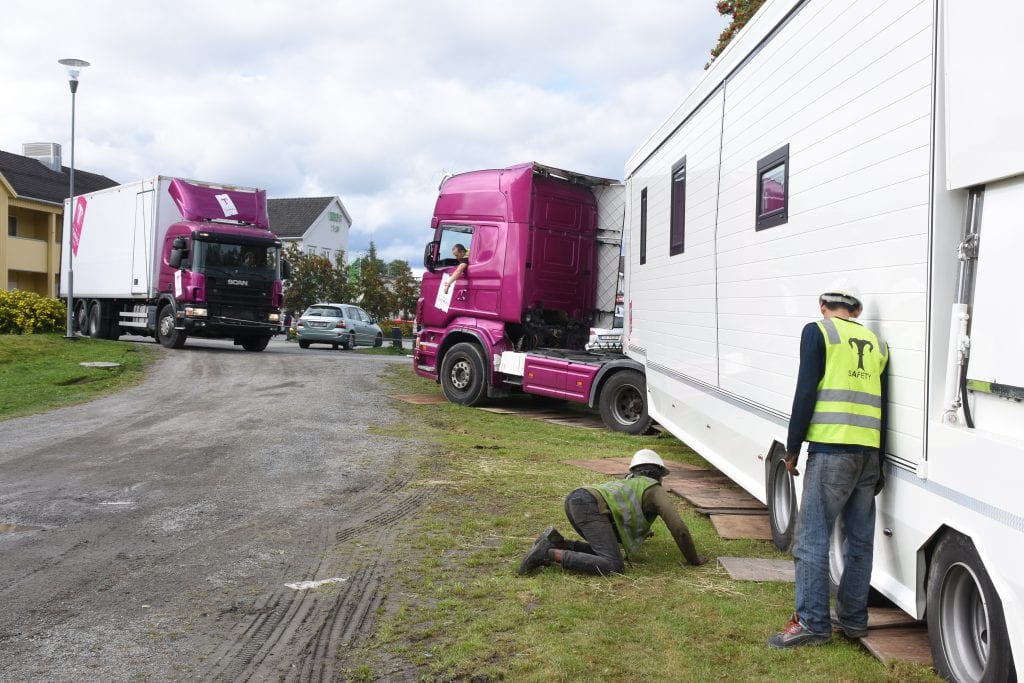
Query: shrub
27	312
386	325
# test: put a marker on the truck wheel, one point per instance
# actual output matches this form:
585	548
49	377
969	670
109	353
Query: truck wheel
379	341
165	332
966	626
99	327
462	374
781	496
81	318
623	403
255	343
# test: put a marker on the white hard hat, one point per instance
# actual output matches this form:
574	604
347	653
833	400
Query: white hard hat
842	292
645	456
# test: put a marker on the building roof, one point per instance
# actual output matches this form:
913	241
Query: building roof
292	216
31	179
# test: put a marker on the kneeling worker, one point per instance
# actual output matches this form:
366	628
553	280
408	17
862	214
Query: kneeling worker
606	514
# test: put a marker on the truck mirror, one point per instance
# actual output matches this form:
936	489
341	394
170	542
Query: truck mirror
430	255
286	269
180	244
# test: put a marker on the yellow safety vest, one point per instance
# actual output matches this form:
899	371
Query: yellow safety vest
849	405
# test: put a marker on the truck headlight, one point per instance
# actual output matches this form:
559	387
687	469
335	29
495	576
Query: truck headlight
195	312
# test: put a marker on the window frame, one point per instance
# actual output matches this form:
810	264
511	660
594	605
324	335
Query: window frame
677	213
762	220
643	226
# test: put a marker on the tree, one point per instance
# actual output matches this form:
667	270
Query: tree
374	294
314	278
741	11
404	287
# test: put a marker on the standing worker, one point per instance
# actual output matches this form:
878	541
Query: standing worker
607	514
840	409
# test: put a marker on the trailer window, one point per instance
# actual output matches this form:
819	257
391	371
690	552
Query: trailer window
643	226
773	189
677	228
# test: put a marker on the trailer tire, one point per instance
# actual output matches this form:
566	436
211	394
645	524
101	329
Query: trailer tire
623	403
165	332
966	625
462	375
781	496
255	344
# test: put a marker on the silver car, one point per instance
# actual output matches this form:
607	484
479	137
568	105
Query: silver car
341	325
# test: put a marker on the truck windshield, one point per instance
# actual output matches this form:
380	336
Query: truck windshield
249	259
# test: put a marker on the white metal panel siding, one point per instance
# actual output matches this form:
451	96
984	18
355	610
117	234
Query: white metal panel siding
848	87
673	298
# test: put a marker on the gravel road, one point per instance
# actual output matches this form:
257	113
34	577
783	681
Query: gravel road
151	535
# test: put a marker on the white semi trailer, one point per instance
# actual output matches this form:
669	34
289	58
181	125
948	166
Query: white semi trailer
881	142
173	258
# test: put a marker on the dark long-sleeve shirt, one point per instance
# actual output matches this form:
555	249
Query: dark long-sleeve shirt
812	370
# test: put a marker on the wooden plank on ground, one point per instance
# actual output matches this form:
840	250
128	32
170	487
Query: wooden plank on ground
743	526
421	399
884	617
714	494
758	569
899	643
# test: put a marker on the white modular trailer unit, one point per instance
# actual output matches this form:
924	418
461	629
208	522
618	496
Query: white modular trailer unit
121	234
878	142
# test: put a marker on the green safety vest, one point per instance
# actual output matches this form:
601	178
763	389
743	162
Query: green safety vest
625	501
849	405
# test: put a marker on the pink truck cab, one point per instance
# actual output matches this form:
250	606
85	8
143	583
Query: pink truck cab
542	268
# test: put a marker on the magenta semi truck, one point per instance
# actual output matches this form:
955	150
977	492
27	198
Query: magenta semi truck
543	268
172	258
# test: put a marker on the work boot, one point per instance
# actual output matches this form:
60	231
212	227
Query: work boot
555	539
849	630
537	557
796	634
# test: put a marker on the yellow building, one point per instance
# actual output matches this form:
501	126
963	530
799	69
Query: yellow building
32	193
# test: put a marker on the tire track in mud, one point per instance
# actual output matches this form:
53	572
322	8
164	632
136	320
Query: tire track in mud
299	635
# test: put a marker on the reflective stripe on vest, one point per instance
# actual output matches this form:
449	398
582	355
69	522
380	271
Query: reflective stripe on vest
625	501
849	402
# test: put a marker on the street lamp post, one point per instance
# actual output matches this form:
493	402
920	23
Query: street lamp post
74	67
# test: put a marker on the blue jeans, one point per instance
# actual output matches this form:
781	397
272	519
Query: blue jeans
835	483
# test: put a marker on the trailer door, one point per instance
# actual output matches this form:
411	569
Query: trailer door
141	258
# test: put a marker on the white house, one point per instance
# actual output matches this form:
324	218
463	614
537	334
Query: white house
318	225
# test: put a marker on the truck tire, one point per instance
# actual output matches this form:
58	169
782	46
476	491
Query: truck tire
781	496
462	374
99	324
966	625
165	332
255	343
81	318
623	403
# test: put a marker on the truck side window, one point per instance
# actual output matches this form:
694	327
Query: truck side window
453	236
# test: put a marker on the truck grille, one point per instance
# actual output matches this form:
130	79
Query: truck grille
235	301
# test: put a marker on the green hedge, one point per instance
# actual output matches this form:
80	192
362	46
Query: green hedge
386	325
27	312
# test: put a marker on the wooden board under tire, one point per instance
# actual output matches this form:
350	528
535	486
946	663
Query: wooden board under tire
899	643
421	399
742	526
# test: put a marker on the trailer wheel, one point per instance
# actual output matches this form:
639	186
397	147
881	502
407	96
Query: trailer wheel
255	343
781	497
462	374
623	403
166	334
966	626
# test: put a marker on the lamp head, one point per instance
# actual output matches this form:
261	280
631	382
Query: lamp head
74	67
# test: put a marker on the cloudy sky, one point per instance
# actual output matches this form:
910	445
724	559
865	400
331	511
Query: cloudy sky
370	101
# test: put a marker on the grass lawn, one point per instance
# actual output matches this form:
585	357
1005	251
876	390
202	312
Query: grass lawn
499	480
39	372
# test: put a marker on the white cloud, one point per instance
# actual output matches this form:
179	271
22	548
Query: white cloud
373	102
